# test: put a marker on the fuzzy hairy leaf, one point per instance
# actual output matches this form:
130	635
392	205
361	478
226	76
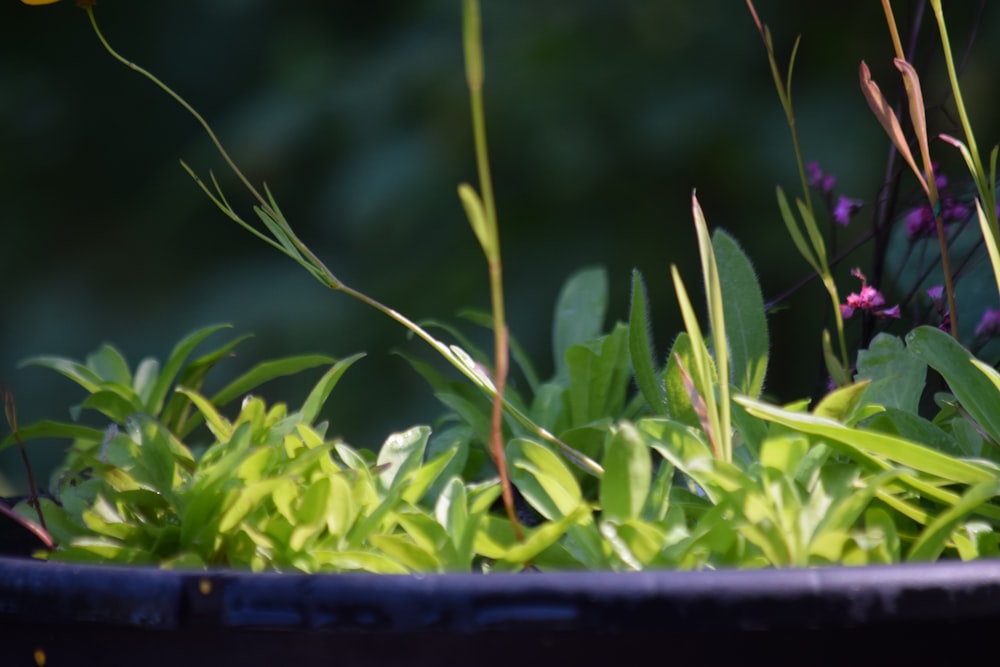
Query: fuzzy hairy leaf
641	348
746	323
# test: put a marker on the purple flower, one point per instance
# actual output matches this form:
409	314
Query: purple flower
845	210
940	180
989	324
920	222
817	179
869	299
952	210
936	293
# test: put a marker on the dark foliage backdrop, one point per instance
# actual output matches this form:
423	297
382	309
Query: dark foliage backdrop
602	118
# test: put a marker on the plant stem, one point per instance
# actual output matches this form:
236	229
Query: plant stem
11	412
475	75
324	275
180	100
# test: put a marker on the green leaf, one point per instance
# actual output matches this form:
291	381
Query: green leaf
678	401
746	323
627	475
144	382
311	516
792	225
974	390
541	538
160	454
579	313
343	508
478	220
220	427
903	452
703	372
366	561
79	373
174	364
897	376
240	502
640	345
280	233
843	403
783	452
542	477
401	454
269	370
599	375
932	540
452	512
109	364
317	397
845	511
53	429
116	403
719	412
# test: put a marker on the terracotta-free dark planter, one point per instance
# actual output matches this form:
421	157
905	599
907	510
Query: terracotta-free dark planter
90	615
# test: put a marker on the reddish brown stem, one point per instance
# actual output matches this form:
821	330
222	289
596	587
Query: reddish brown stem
496	432
11	411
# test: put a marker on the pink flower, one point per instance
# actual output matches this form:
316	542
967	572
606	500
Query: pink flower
989	323
869	299
845	210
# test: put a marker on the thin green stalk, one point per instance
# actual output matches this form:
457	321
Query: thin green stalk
784	87
911	82
986	185
963	116
180	100
285	240
489	238
819	259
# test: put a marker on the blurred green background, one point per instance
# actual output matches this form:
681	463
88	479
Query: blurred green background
603	117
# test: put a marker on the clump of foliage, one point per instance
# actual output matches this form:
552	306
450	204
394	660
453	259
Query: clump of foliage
620	460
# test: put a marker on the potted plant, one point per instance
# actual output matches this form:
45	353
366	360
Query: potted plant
608	520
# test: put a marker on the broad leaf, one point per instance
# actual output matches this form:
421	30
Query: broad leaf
974	390
627	475
579	313
746	323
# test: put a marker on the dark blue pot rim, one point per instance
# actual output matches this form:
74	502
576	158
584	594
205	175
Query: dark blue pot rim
583	602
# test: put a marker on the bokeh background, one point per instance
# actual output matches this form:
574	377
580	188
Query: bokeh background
603	117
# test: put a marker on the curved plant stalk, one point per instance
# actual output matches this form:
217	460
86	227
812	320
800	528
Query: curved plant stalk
483	218
887	117
784	88
284	239
714	412
817	256
814	252
986	185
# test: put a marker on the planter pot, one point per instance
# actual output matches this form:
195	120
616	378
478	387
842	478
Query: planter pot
83	615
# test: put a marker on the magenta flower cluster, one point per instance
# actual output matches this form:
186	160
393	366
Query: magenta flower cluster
822	182
936	293
868	299
919	221
989	323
